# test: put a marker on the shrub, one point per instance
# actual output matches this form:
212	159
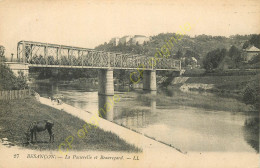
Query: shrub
251	94
8	81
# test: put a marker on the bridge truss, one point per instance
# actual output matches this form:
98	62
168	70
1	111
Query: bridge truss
38	54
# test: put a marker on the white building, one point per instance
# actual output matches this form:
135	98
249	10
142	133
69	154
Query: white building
140	39
137	39
250	53
114	41
125	39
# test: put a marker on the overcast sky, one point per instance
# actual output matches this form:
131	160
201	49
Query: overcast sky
89	23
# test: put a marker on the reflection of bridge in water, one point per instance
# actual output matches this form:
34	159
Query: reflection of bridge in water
129	117
36	54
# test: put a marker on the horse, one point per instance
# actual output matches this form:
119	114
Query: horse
39	126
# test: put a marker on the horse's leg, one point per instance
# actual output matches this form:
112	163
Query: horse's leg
35	136
50	133
31	137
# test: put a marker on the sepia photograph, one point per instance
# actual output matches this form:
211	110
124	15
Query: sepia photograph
129	83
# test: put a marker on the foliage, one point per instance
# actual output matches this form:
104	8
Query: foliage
251	94
191	54
179	54
236	56
254	40
197	46
8	81
64	73
2	53
213	59
255	60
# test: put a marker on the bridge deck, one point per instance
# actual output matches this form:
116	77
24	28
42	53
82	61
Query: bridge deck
95	67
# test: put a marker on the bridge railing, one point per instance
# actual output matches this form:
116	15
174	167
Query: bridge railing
44	54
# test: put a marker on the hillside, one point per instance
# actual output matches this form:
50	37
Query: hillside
197	46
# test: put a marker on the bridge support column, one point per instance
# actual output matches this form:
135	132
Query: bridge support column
106	94
149	80
105	82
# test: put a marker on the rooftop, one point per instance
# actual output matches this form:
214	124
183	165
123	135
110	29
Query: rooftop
253	48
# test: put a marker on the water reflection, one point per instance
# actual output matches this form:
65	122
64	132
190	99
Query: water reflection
153	101
106	107
187	128
251	132
131	116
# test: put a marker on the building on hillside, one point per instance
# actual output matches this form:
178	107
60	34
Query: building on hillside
114	41
250	52
137	39
140	39
125	39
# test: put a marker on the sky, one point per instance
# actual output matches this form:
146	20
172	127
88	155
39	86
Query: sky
90	23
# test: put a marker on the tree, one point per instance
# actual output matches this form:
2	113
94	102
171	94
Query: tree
213	59
2	53
179	54
235	54
8	81
255	40
190	54
246	44
251	94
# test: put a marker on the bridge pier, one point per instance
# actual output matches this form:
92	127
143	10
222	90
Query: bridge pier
149	80
17	66
105	82
106	94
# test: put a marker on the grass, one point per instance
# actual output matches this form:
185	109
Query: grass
16	115
218	80
225	84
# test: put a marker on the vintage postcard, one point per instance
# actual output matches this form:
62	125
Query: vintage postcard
129	83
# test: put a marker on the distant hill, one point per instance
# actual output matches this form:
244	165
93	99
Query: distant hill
197	46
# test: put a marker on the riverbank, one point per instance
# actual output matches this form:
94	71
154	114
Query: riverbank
225	85
167	157
149	157
137	139
16	116
201	100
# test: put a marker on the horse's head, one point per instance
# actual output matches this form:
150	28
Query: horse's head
50	123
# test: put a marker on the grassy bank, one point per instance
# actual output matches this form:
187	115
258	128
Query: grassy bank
16	115
225	84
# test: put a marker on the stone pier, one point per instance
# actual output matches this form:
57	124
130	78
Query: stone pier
17	67
106	93
149	80
106	82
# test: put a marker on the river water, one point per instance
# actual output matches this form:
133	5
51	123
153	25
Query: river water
189	129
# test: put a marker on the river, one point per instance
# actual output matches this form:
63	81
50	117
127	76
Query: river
190	129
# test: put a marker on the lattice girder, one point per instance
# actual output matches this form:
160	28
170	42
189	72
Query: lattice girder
53	55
